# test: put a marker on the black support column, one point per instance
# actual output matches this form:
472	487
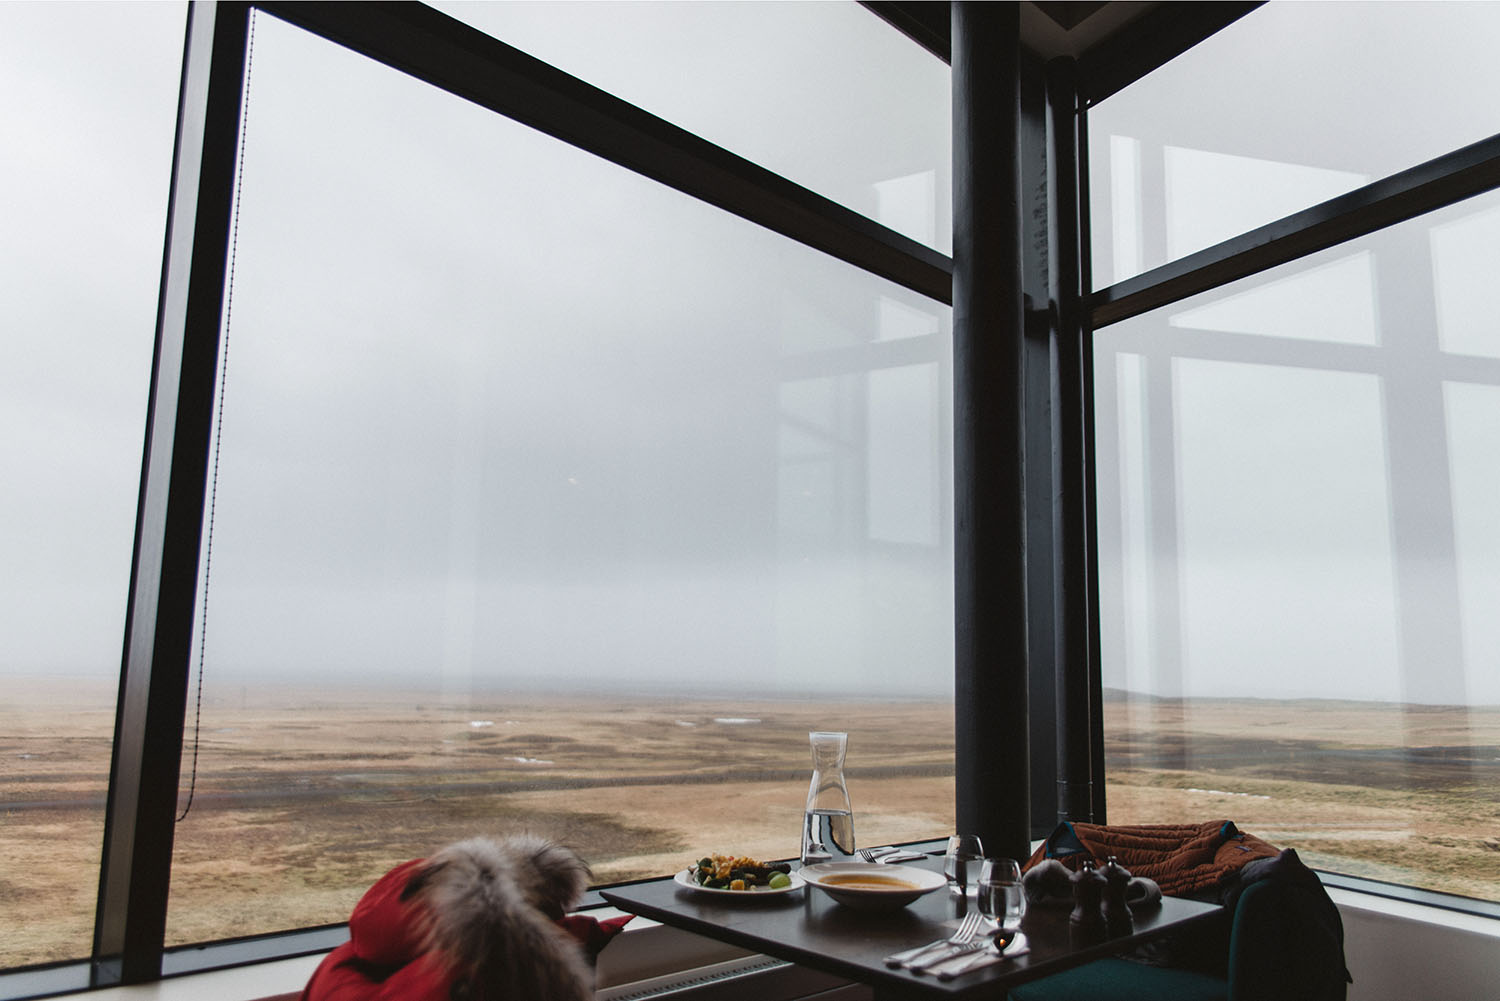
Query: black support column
1076	674
130	923
991	714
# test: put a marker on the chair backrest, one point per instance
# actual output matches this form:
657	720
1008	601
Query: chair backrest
1286	944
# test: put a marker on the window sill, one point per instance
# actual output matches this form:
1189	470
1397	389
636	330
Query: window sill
1387	908
644	950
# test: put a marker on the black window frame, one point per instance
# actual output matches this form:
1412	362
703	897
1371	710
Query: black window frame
130	921
1028	715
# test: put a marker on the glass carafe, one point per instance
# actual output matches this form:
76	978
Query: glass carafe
828	826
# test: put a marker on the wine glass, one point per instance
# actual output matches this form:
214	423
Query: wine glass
961	863
1001	897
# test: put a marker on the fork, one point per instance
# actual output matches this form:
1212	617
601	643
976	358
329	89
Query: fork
964	935
963	963
871	854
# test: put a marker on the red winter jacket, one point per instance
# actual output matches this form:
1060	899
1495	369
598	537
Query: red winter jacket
384	961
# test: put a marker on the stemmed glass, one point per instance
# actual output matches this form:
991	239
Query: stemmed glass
1001	898
961	863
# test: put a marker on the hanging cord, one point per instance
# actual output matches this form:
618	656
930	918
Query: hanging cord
213	490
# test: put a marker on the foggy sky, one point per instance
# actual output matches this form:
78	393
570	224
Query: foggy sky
497	409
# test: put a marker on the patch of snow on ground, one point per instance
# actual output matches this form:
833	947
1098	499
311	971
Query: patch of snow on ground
1221	792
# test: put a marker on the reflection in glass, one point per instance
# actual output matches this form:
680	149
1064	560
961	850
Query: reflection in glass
1331	302
1465	261
548	498
88	95
1200	214
1283	520
825	94
1360	91
1296	483
1473	415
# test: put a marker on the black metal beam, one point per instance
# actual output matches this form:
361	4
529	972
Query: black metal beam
464	61
135	870
1148	42
992	780
1077	676
1083	260
1044	570
1423	188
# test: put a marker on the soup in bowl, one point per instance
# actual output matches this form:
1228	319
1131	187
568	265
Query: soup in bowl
870	884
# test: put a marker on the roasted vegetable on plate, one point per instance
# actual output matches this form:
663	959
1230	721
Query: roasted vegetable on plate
737	872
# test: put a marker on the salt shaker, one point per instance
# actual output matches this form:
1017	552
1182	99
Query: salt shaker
1088	894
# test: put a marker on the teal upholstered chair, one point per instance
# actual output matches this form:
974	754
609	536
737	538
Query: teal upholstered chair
1285	944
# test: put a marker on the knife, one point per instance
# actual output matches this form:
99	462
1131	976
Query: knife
903	958
1006	949
898	958
950	951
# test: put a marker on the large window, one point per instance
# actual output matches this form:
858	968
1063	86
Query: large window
87	98
545	498
538	495
1298	565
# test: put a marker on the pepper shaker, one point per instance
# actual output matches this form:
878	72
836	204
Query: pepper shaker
1088	894
1116	882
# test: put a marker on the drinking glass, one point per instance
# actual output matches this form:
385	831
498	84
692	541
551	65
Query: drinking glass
961	863
1000	897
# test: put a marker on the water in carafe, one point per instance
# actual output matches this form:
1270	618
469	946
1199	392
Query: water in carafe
828	824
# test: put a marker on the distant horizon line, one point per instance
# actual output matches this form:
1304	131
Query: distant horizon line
605	687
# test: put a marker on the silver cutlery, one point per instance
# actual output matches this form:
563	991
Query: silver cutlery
924	964
966	932
990	952
889	855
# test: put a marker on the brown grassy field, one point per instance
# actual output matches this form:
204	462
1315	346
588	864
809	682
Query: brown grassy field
304	798
1402	794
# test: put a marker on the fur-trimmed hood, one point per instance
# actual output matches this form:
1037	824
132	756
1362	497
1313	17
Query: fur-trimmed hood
490	908
477	921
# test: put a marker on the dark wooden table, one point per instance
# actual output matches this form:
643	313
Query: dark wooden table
808	928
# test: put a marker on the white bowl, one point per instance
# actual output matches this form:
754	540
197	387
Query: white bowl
870	884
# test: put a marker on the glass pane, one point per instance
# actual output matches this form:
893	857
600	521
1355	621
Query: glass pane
1473	416
1291	105
88	98
1299	563
548	498
825	94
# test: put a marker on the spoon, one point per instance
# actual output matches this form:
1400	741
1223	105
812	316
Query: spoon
999	942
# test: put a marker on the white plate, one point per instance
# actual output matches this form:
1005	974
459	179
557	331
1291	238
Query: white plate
685	878
885	885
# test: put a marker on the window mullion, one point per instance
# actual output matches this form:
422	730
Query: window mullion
135	868
1438	182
